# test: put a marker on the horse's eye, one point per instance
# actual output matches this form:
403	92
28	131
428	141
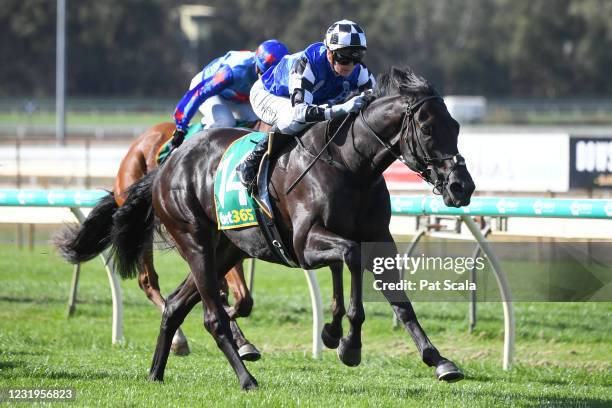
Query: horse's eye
426	129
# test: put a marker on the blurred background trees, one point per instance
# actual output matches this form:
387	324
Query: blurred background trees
540	48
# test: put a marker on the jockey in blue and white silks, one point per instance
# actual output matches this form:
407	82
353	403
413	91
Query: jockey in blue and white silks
311	86
221	90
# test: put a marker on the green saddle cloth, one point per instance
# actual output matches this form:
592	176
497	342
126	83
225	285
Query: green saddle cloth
233	205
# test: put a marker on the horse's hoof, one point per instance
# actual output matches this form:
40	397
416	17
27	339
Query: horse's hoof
449	372
180	349
330	341
349	356
155	378
249	352
249	384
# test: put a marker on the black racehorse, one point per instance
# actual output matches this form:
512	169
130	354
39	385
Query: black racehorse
341	202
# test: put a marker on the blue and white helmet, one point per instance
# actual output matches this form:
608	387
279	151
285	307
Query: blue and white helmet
344	34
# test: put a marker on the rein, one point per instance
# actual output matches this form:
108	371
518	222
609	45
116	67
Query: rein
382	142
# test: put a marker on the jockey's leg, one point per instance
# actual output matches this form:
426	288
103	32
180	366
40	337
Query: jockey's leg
247	169
217	112
267	106
272	109
243	112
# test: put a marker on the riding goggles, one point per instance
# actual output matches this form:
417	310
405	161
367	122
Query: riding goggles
347	56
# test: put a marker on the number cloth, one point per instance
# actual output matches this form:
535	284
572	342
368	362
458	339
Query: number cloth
233	206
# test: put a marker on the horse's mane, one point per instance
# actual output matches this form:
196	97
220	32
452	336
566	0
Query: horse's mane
402	80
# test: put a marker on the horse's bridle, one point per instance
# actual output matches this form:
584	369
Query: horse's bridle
426	166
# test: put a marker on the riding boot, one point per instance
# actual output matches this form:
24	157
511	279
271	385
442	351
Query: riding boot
247	170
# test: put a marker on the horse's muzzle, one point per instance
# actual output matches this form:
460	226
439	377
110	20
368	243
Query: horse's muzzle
459	187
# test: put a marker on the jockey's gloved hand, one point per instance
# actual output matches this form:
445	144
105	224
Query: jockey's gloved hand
177	138
352	105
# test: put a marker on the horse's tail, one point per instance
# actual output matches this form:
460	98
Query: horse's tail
81	243
133	225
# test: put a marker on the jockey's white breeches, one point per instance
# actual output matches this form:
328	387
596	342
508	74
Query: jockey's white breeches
276	110
220	112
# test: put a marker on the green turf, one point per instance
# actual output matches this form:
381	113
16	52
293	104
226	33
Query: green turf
564	350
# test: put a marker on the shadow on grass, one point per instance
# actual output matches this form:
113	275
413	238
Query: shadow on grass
71	375
10	365
13	299
472	397
82	301
477	376
538	401
50	374
22	353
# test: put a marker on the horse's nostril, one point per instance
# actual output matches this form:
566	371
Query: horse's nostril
456	188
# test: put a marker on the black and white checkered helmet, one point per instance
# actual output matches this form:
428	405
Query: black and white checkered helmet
345	33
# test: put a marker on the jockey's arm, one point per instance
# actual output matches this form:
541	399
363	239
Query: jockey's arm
301	85
366	80
191	101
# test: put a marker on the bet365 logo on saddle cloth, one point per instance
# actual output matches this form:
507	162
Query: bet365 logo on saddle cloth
234	207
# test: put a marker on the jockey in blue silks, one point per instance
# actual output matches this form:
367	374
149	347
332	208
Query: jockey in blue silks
221	90
310	86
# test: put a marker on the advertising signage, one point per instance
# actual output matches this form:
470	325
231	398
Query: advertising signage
591	162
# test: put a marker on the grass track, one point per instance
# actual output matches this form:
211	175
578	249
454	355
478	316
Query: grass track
564	350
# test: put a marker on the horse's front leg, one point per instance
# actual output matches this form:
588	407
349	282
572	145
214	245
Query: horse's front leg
332	332
325	247
445	369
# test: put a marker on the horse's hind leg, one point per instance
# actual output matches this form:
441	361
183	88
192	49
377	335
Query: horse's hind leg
177	306
148	282
332	332
197	247
445	369
217	323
